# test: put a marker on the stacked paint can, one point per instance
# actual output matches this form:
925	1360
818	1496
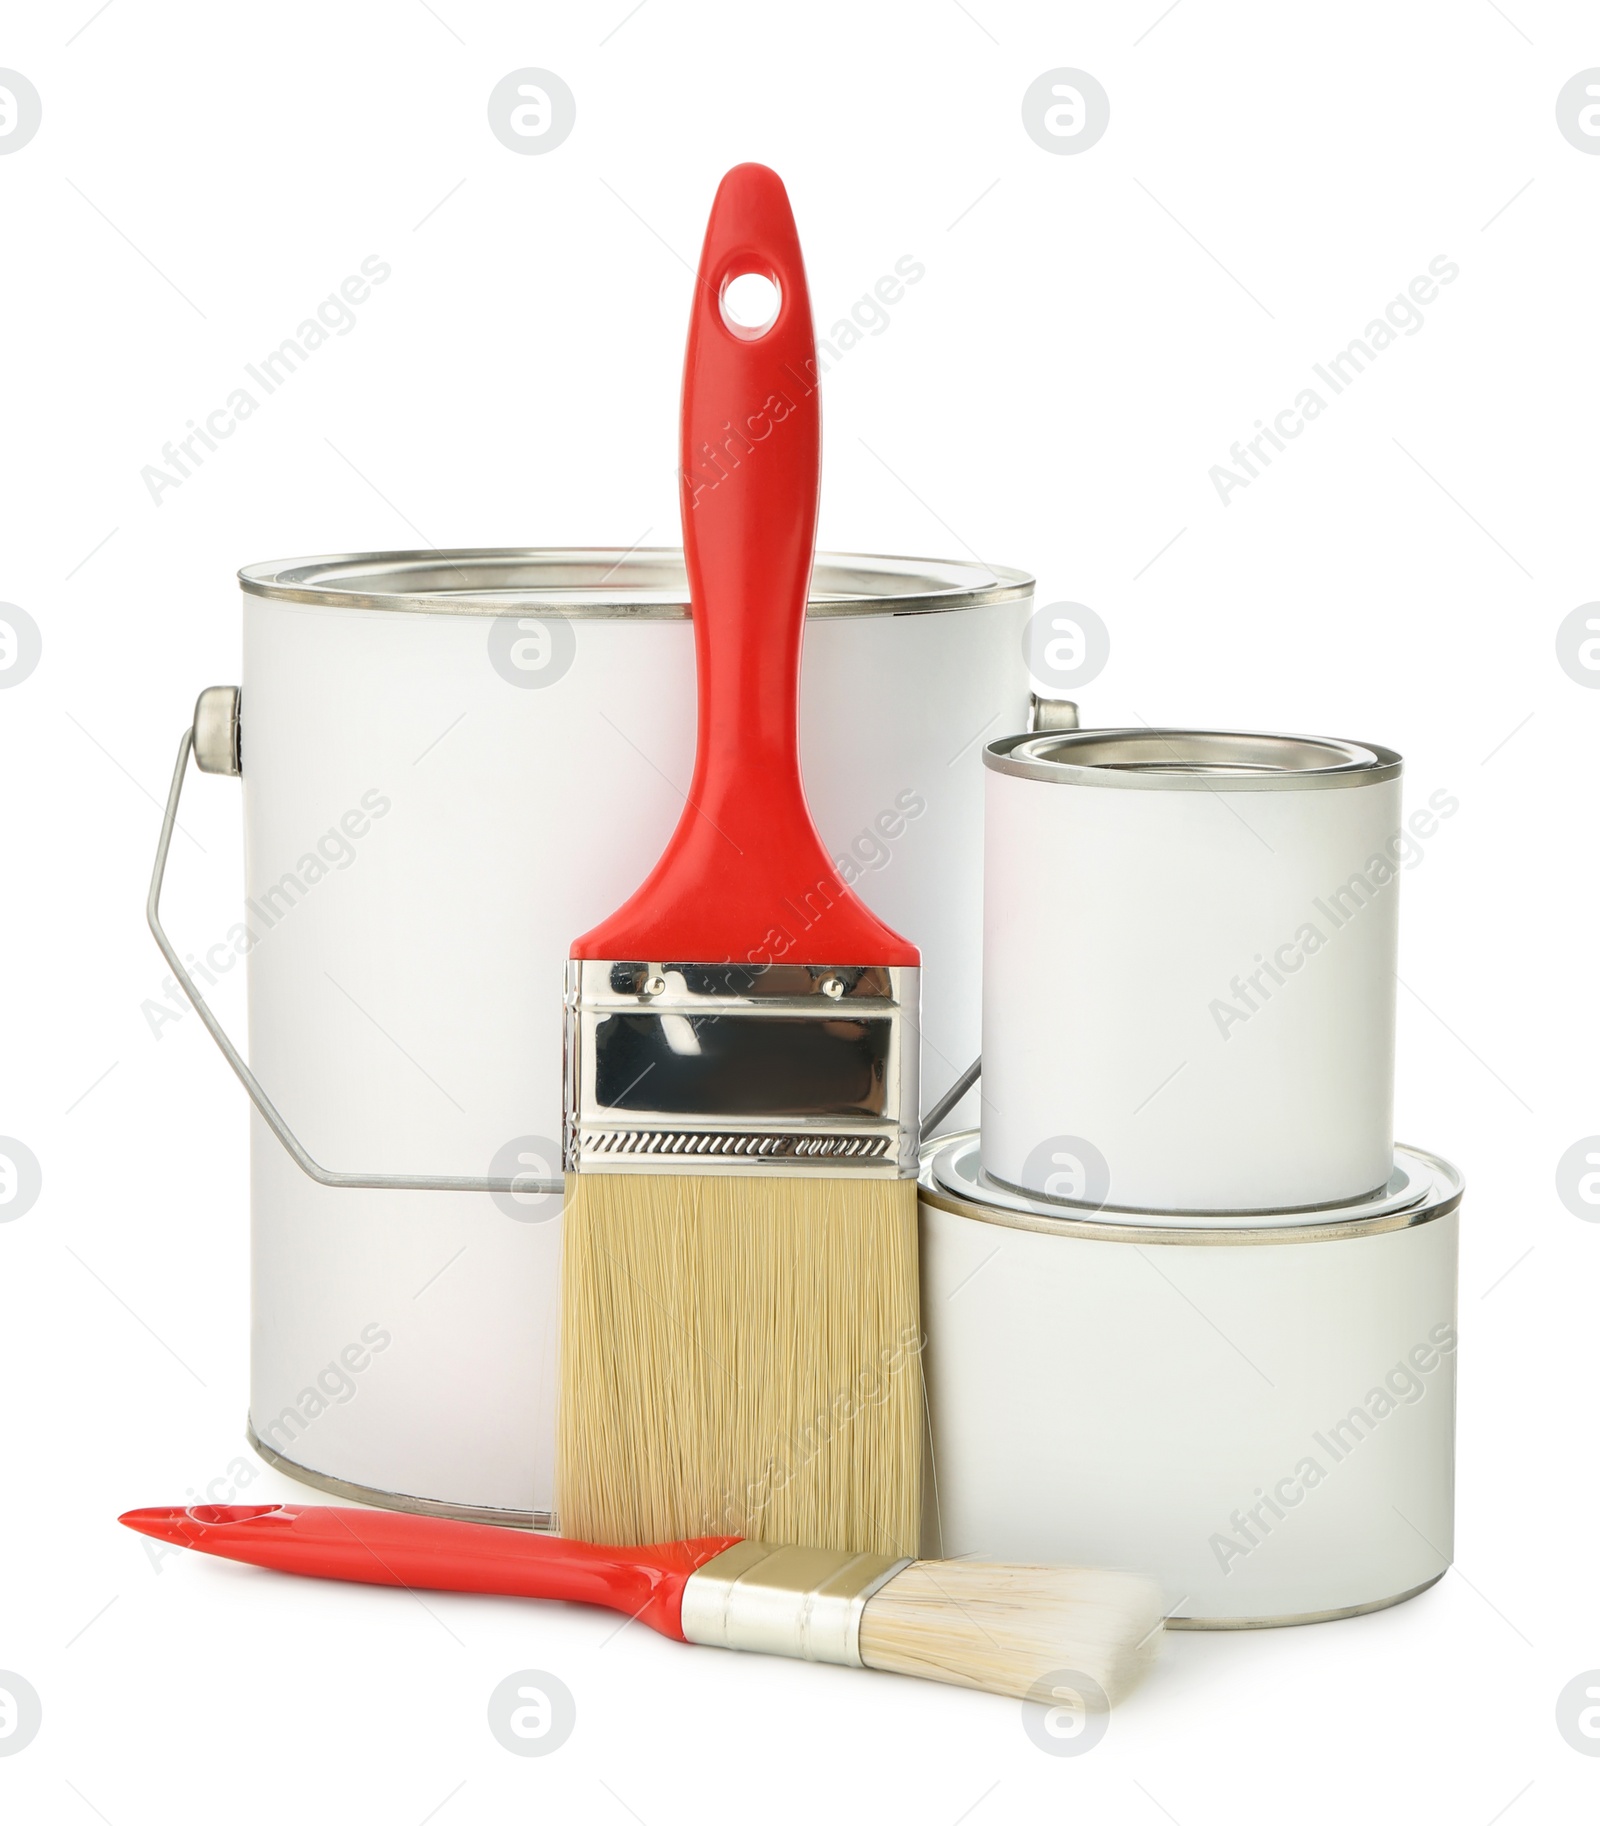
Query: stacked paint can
1189	1308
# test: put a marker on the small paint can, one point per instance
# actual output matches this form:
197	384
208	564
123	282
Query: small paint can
1255	1410
1189	957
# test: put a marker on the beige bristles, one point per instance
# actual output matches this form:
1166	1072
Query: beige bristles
1006	1629
740	1355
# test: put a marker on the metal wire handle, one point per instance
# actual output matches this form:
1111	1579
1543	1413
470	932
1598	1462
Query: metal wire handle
377	1182
216	716
951	1098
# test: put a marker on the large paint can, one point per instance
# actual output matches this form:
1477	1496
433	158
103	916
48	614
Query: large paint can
1257	1411
1189	968
454	763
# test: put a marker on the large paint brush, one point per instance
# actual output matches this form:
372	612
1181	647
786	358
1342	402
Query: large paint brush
1061	1635
740	1340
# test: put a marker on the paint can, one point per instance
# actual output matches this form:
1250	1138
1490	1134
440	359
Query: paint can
1189	955
453	763
1256	1410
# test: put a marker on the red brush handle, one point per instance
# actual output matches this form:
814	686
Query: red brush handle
422	1552
745	877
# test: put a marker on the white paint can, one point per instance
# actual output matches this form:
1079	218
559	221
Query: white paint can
453	764
1258	1413
1189	957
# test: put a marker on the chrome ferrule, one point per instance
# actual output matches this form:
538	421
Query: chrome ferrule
741	1069
804	1602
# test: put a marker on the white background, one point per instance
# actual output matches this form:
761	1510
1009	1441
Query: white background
1093	333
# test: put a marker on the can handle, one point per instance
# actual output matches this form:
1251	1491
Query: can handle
951	1098
213	739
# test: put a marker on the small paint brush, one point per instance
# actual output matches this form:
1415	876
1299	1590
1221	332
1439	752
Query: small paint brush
1028	1631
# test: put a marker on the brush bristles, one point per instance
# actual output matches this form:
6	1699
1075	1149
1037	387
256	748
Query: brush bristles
741	1355
1006	1628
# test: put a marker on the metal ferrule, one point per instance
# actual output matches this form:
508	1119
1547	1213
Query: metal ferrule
740	1069
805	1602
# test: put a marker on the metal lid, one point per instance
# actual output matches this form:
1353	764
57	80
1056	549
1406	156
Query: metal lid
1421	1188
1192	760
609	583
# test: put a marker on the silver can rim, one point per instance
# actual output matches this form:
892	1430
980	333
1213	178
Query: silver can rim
991	1203
1192	760
612	583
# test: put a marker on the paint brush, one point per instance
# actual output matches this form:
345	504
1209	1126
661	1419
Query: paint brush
1049	1633
740	1347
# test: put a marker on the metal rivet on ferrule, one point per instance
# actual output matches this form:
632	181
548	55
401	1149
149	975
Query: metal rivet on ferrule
832	987
654	985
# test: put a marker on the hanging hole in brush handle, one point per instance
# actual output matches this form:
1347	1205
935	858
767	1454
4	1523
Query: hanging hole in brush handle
215	741
750	304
